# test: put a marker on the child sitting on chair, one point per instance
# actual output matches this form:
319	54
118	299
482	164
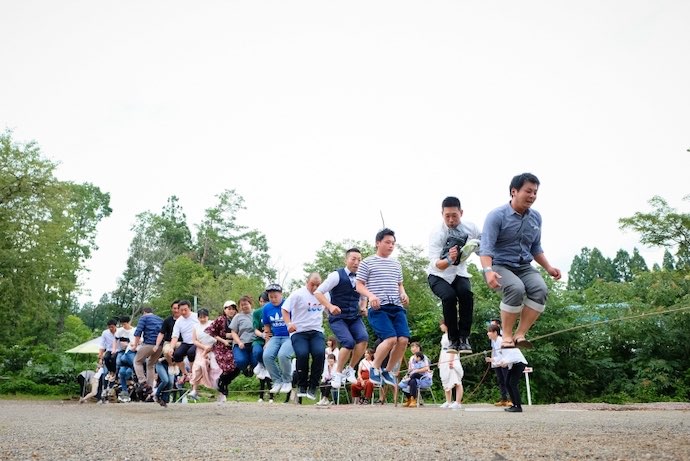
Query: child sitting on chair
418	375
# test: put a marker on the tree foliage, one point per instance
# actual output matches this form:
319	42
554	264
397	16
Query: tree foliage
47	232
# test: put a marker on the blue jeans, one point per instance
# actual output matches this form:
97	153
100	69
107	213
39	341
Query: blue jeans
308	343
125	359
166	382
279	347
125	374
244	357
257	354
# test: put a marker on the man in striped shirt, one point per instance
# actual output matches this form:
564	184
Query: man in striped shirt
380	280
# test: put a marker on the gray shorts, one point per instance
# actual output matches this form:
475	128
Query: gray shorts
521	286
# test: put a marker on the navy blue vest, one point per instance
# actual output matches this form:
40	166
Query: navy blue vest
345	297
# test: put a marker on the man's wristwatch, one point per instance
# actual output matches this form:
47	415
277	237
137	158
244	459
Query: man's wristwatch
450	261
487	269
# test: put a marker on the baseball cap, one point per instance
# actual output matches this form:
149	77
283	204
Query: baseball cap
229	303
274	287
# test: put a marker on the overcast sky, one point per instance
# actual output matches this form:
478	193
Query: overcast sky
324	114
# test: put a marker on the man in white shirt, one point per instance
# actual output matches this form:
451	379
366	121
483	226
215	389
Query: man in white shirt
184	327
448	276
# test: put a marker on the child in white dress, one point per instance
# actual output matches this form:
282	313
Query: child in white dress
451	372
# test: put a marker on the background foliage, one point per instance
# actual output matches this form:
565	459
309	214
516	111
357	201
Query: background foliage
611	334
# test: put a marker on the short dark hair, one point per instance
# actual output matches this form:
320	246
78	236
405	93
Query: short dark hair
202	312
125	318
416	343
518	181
147	310
352	250
246	298
380	235
177	301
264	296
184	302
496	321
494	328
112	322
451	202
331	356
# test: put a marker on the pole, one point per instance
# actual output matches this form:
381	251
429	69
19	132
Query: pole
527	371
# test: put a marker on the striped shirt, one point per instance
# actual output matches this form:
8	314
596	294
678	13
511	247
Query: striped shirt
382	276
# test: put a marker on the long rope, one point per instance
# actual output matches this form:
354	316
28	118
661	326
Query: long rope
484	353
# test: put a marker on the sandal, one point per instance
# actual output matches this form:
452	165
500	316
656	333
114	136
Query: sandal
523	343
507	344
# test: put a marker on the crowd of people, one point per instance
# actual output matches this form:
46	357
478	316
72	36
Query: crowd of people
282	342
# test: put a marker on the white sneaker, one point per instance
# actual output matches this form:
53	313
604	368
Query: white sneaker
285	388
350	375
259	369
445	405
260	401
222	399
270	400
275	389
337	380
455	406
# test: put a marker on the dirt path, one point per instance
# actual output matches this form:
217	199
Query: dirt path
239	431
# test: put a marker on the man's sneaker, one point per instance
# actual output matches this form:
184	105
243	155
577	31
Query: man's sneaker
260	400
311	393
162	403
388	378
302	392
465	347
275	389
513	409
350	375
124	397
455	406
222	399
285	388
454	347
337	380
445	405
375	376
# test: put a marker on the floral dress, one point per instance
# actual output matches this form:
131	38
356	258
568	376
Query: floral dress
224	356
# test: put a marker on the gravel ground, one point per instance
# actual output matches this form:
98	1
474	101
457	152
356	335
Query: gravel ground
31	430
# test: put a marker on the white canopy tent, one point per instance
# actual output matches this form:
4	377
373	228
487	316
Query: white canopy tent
89	347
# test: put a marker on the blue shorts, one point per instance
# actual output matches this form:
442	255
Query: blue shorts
390	321
349	331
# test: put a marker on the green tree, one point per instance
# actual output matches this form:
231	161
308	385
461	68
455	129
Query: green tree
589	266
668	262
226	247
663	227
47	232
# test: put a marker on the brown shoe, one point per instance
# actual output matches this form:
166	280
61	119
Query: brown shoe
500	403
412	403
508	403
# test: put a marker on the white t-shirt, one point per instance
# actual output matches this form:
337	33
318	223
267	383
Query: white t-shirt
185	326
306	312
437	239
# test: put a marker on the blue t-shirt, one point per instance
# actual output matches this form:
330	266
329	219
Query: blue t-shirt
273	316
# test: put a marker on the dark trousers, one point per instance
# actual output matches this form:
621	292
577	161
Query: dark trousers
225	379
109	361
514	376
305	344
457	300
501	379
414	385
183	350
